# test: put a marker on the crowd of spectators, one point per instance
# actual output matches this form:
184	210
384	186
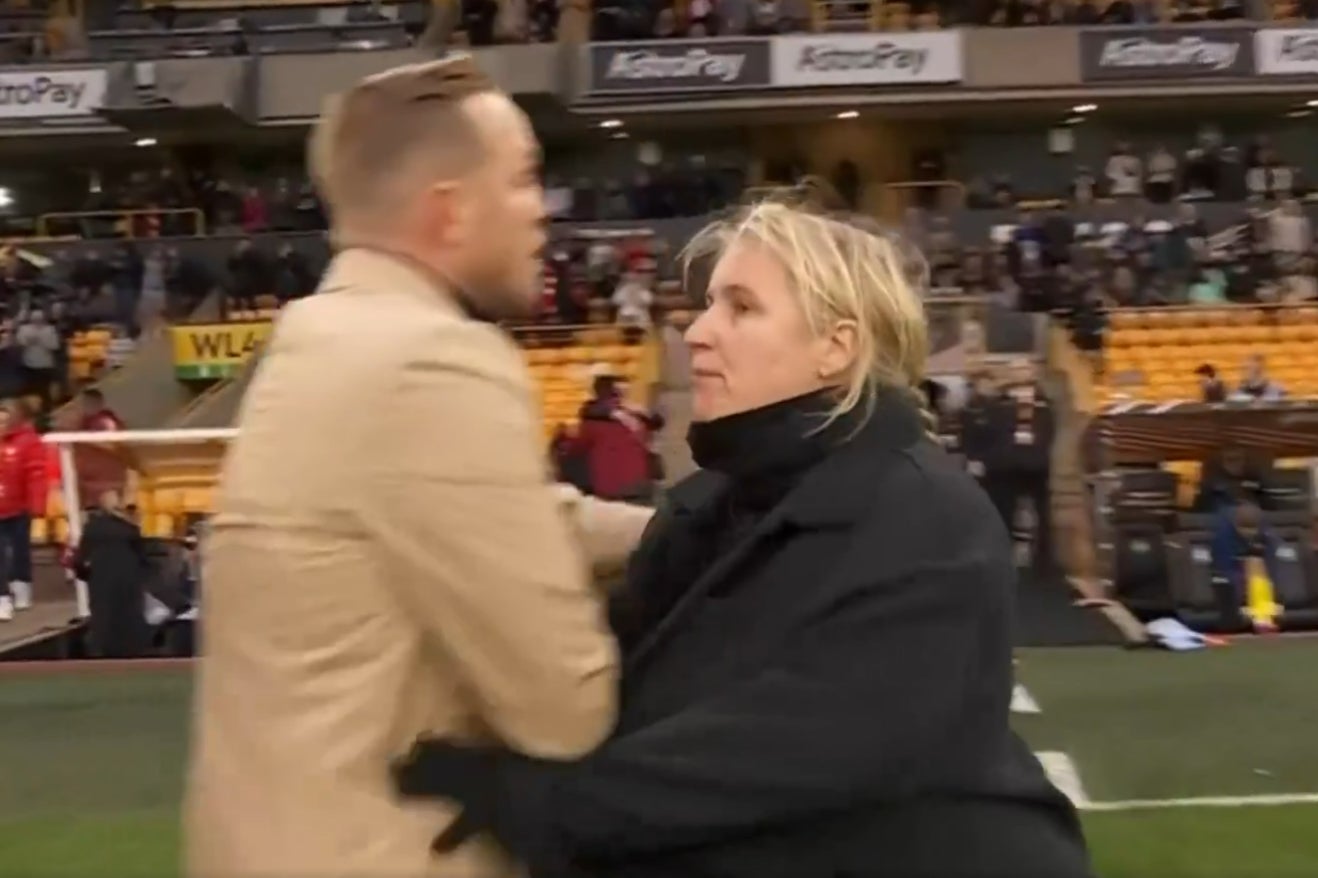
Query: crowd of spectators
1209	170
28	35
193	200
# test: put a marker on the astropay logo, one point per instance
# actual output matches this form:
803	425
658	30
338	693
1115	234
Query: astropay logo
32	94
848	60
1184	52
692	64
1287	52
1167	53
662	66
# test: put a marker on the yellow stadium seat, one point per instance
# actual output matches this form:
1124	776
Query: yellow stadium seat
198	500
168	501
160	525
40	531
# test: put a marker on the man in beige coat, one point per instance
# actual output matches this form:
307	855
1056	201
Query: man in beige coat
388	558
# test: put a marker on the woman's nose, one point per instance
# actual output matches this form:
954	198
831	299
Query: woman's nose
697	334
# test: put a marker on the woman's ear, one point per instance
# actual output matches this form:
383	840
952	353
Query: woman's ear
837	350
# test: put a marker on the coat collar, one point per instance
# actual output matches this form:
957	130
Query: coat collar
828	494
839	491
369	268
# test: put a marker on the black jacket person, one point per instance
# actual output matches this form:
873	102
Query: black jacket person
111	557
817	671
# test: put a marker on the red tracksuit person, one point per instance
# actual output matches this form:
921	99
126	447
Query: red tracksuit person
22	495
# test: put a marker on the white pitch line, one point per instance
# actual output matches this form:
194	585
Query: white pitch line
1263	800
1064	775
1022	701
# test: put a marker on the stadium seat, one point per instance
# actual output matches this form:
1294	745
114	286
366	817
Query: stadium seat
1196	600
1144	494
1296	582
1152	354
1139	569
1287	490
563	368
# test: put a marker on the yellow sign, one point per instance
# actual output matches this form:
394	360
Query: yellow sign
216	350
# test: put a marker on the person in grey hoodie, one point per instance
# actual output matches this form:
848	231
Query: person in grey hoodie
39	345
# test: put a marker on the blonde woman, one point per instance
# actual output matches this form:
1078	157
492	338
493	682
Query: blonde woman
815	631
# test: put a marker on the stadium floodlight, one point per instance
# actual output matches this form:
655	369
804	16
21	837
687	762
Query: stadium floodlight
1084	108
611	123
6	198
848	114
145	141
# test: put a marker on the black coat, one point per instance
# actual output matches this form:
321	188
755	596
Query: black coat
828	698
112	558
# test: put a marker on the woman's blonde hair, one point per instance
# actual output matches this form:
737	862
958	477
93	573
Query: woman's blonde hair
841	267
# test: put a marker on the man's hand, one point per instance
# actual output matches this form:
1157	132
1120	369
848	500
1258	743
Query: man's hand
609	532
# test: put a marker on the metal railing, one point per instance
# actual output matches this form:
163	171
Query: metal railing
127	218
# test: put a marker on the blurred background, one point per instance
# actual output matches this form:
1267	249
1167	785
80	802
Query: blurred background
1116	203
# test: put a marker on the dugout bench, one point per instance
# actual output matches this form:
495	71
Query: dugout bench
1153	548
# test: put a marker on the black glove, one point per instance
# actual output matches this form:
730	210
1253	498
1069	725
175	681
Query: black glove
438	769
500	792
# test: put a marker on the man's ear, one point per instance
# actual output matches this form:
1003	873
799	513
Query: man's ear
443	213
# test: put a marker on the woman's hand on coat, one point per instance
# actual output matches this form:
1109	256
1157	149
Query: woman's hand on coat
436	768
500	793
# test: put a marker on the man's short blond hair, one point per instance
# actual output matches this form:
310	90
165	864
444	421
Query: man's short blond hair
373	141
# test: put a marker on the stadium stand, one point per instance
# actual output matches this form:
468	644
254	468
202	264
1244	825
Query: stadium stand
1154	354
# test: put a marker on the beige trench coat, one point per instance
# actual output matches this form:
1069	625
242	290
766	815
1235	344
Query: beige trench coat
387	559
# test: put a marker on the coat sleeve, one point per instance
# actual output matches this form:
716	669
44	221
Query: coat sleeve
481	556
857	711
608	532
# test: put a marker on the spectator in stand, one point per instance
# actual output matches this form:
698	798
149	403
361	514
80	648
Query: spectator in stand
23	488
1300	284
1291	232
1084	186
90	273
96	414
1124	172
127	270
1208	287
256	216
615	441
250	276
1160	185
40	343
633	300
1212	387
151	300
1256	385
